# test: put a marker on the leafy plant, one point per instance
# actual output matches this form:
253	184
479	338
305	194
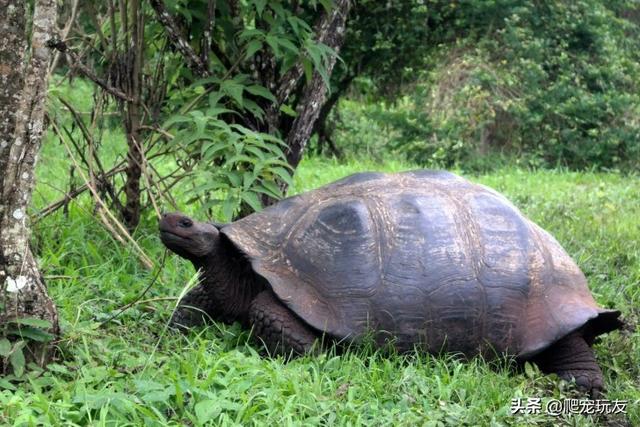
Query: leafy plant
250	65
232	165
14	337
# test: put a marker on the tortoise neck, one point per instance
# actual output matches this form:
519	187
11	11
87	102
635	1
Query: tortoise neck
230	281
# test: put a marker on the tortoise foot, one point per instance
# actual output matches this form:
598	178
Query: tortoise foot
572	359
278	328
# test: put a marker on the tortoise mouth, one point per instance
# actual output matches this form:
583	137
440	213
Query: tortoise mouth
166	232
175	242
171	232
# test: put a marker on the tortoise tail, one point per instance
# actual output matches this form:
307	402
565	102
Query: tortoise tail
606	321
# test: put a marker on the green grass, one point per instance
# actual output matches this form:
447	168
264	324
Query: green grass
132	371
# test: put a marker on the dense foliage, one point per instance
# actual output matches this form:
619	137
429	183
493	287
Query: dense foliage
218	89
555	83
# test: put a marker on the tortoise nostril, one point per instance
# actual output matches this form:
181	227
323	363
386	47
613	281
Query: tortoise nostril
185	223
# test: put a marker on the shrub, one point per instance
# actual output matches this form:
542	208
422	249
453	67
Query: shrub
553	83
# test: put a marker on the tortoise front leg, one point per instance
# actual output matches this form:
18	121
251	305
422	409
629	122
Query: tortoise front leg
278	328
571	358
194	309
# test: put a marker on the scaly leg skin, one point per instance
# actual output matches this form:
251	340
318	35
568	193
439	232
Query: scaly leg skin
194	309
572	358
278	328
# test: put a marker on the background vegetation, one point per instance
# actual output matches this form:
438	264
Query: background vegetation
546	83
538	100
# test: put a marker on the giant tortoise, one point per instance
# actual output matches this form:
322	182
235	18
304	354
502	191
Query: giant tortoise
421	259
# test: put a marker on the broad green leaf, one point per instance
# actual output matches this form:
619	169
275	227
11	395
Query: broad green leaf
214	98
284	175
5	347
248	179
250	33
228	208
55	367
178	118
288	110
233	89
213	112
273	188
240	158
252	47
209	186
34	334
179	394
261	91
272	41
260	4
243	130
529	370
256	152
33	321
253	108
210	151
287	44
273	138
158	395
234	178
327	4
206	410
252	200
277	7
307	66
17	361
297	25
315	55
276	161
205	81
264	190
5	384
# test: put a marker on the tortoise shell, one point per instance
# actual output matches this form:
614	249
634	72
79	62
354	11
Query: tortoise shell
423	258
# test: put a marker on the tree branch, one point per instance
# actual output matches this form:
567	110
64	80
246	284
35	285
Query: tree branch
65	34
78	191
194	62
61	46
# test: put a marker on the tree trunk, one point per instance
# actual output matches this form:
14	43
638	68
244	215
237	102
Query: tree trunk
320	126
23	90
132	119
331	33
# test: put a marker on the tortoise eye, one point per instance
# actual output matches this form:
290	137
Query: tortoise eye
185	223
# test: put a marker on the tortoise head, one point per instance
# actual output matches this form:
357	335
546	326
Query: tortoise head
188	238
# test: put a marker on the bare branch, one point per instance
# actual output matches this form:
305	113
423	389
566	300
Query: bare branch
64	34
194	62
86	71
119	231
78	191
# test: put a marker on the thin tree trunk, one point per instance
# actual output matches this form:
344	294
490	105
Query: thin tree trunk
320	126
331	33
23	90
131	214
